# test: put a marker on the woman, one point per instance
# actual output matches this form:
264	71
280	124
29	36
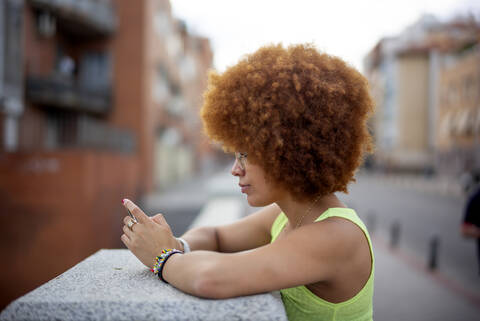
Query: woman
296	121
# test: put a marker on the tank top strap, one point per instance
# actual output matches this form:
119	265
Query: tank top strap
343	212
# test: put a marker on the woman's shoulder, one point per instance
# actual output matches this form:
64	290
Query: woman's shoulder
341	226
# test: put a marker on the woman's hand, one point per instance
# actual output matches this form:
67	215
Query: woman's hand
148	237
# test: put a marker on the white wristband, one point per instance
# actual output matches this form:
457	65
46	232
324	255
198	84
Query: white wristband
186	247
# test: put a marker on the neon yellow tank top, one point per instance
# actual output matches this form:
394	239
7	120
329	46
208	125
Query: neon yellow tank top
302	304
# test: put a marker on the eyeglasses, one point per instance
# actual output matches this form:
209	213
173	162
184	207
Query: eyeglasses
241	159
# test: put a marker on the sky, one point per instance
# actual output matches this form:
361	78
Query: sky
344	28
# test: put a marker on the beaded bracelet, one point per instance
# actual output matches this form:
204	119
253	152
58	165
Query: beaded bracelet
160	262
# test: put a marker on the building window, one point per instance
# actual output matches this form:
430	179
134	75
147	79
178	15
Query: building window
161	89
46	24
79	130
188	68
445	126
470	92
477	121
95	71
161	22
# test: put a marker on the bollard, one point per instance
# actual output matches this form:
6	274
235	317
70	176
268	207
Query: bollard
433	252
395	234
371	222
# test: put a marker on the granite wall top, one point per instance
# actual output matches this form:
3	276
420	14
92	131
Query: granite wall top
114	285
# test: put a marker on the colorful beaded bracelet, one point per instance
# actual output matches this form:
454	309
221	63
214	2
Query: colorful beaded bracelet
160	262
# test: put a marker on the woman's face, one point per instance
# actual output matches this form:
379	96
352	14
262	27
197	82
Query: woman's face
253	183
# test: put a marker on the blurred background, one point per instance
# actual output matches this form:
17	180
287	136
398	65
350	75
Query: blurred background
99	101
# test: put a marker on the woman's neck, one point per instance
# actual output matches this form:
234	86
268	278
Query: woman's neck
304	212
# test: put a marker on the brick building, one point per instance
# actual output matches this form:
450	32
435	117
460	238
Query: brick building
82	107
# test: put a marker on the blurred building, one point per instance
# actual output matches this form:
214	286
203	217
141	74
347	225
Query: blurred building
98	101
458	118
405	74
179	63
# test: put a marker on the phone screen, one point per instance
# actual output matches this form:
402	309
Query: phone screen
131	215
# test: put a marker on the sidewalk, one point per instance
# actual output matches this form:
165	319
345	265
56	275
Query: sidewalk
406	291
430	185
403	289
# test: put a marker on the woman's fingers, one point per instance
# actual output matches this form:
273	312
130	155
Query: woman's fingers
136	211
127	231
127	219
160	219
125	240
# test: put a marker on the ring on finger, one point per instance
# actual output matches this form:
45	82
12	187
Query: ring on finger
130	224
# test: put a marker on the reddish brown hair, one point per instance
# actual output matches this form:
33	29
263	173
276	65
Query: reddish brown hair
300	114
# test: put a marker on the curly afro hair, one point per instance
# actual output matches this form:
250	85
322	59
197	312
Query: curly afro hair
300	114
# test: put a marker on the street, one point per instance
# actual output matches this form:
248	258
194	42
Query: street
421	214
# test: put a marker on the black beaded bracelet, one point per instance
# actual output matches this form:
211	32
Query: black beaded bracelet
164	259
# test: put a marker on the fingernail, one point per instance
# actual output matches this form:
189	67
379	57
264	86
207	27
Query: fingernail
123	201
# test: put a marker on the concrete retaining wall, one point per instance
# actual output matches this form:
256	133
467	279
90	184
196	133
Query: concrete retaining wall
114	285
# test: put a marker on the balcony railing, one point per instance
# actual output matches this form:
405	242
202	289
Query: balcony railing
84	16
71	130
66	93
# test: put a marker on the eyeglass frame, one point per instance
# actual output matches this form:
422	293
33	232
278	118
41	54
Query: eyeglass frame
241	158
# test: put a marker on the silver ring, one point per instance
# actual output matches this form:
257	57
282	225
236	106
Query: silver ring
131	223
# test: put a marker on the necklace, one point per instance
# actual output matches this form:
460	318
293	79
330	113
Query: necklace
308	211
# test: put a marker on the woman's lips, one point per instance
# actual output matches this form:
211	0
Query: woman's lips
244	187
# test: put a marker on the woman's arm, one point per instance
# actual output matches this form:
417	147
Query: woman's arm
247	233
149	236
309	254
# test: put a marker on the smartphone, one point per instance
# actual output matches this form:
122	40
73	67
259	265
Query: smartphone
131	215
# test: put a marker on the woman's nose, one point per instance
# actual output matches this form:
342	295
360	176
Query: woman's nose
236	169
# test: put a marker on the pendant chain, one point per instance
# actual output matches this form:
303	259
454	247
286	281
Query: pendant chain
308	211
